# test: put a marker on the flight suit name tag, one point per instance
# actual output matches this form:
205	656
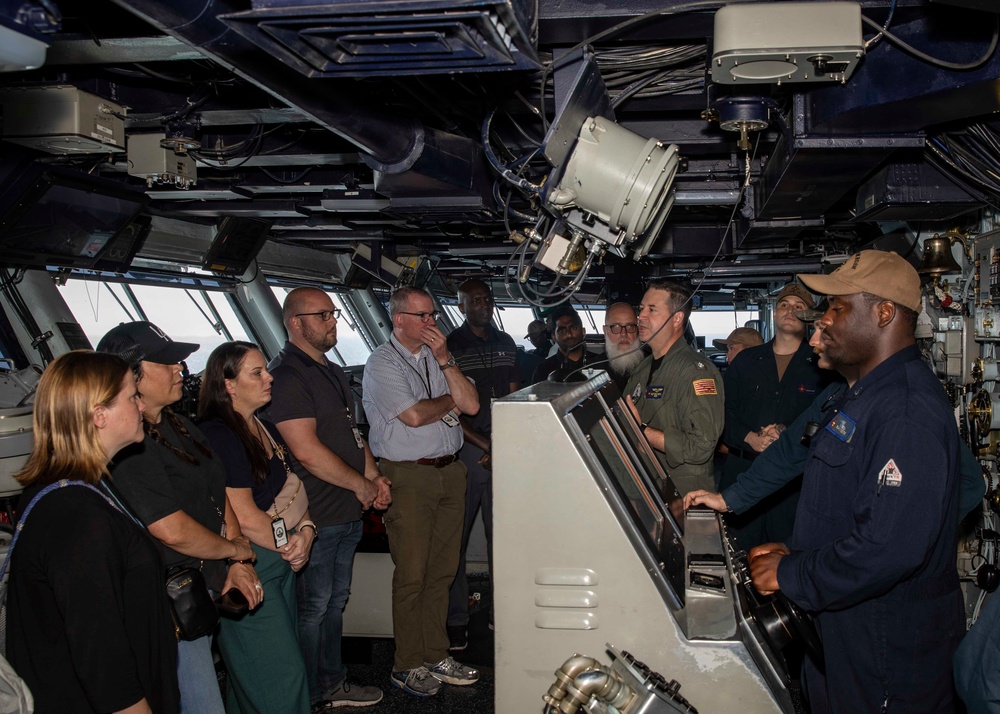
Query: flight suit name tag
842	427
654	392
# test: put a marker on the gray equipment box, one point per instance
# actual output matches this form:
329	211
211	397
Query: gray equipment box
768	43
62	120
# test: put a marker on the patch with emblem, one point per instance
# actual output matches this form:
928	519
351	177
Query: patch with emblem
890	475
704	387
654	392
842	427
637	392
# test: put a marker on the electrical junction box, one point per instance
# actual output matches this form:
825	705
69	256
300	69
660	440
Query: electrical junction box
768	43
147	159
62	119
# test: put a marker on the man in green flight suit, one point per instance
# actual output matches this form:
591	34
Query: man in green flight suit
676	393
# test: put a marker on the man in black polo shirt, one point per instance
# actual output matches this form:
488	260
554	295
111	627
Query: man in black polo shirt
567	364
489	357
313	408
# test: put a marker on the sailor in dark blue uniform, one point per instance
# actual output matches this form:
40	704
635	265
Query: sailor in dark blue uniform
873	551
766	389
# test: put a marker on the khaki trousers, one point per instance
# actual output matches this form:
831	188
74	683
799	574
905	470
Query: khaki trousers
424	525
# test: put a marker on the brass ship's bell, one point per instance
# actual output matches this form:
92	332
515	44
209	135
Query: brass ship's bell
938	259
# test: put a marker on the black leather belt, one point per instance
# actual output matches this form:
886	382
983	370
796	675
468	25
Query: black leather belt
439	462
747	454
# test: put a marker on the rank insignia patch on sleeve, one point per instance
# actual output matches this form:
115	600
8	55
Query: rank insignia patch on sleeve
704	387
890	475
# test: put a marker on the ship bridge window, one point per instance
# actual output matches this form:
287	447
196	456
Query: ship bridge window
717	324
186	315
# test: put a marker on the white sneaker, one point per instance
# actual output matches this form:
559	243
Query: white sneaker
452	672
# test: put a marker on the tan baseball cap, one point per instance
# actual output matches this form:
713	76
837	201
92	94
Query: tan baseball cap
798	291
878	272
740	336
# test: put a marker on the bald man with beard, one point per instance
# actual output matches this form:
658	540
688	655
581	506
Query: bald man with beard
621	342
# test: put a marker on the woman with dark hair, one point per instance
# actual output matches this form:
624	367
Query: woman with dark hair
88	627
177	487
261	650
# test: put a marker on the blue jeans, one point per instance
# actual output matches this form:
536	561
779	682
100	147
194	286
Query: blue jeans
323	586
199	686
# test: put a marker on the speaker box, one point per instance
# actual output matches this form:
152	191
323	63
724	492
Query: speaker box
236	244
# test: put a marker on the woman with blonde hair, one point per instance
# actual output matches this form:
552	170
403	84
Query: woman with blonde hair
88	627
267	674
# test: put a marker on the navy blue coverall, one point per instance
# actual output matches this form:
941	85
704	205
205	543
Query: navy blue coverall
756	398
874	545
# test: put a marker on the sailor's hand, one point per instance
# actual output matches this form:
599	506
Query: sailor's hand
715	501
764	561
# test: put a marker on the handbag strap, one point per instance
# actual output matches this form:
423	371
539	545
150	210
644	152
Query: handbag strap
38	496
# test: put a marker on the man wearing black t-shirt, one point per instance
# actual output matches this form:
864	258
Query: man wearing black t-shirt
489	357
313	408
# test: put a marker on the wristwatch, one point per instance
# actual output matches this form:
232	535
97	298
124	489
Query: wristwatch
450	363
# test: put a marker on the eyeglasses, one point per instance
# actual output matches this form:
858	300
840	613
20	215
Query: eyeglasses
423	316
630	329
324	315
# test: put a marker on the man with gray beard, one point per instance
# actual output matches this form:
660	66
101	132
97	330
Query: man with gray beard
621	342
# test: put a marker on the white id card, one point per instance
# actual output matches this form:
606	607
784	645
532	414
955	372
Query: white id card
280	534
357	437
450	419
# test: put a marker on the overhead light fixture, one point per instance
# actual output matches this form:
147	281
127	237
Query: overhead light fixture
616	186
609	190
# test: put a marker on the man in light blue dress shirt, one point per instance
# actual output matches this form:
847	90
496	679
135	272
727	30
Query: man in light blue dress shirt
414	394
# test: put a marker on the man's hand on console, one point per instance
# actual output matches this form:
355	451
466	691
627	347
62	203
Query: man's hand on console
715	501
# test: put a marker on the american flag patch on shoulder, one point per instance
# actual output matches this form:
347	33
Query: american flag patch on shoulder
704	387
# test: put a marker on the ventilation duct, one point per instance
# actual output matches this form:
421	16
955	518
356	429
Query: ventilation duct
378	37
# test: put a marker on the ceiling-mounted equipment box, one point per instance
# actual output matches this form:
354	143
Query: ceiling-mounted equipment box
148	159
771	43
62	119
912	192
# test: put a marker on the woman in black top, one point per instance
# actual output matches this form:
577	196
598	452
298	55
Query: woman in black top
88	627
266	670
176	486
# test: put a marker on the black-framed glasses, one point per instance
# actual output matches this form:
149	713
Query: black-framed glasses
324	315
423	316
630	329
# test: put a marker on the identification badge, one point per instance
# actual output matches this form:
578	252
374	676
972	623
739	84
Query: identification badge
357	437
450	419
842	427
654	392
280	534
